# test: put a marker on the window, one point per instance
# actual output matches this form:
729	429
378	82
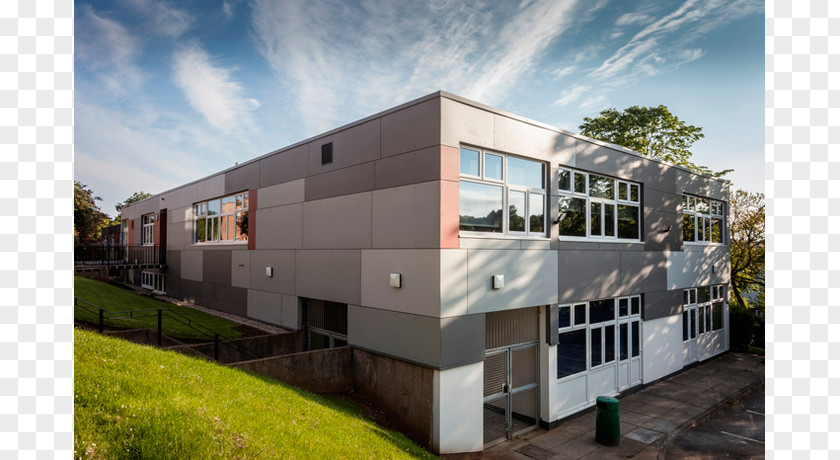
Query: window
597	206
702	220
154	281
702	311
501	194
147	238
222	220
598	333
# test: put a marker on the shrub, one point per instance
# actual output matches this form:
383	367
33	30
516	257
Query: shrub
741	327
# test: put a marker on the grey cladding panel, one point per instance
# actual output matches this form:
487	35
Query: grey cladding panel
462	340
409	337
643	272
345	181
603	160
352	146
585	275
408	168
655	176
243	178
284	166
216	267
412	128
661	304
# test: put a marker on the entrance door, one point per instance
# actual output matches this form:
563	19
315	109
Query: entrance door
510	392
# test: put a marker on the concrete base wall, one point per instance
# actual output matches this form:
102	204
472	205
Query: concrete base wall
320	371
264	345
403	390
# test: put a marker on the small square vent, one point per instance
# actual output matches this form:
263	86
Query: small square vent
326	154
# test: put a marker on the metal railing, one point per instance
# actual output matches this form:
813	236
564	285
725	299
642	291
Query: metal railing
111	255
218	339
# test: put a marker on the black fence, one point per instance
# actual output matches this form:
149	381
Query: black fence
113	255
113	318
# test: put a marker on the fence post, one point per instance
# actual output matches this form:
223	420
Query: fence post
101	320
160	327
216	346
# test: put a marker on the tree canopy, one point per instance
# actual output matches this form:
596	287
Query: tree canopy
653	131
135	197
88	219
746	246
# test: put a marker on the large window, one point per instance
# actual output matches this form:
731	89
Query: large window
598	333
153	280
702	311
594	206
702	220
501	194
147	238
222	220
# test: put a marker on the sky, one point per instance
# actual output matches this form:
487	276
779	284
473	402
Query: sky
167	92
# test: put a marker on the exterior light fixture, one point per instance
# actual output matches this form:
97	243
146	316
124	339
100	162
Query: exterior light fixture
269	272
498	281
396	280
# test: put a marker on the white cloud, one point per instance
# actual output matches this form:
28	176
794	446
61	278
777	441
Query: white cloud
107	48
343	61
571	95
632	18
162	18
211	90
664	44
227	9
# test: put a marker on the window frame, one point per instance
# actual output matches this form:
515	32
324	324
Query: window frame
147	234
698	316
634	303
716	210
603	202
216	222
484	179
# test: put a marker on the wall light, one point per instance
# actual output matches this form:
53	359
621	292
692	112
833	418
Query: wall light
396	280
269	272
498	281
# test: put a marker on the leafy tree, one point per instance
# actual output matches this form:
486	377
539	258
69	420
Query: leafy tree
746	223
653	131
88	219
137	196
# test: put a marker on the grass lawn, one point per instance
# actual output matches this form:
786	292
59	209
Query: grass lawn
117	299
134	401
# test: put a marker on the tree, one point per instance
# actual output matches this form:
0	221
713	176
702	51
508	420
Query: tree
746	246
137	196
653	131
88	219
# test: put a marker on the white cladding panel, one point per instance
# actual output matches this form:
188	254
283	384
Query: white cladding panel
458	409
662	345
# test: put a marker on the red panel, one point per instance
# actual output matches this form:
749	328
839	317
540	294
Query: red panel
449	215
130	225
252	219
449	163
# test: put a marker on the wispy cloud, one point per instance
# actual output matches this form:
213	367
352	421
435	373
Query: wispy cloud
162	18
211	90
571	95
332	55
664	44
107	48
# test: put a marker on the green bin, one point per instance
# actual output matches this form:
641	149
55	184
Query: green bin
607	428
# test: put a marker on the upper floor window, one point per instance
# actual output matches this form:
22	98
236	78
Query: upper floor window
501	194
597	206
702	220
221	220
147	238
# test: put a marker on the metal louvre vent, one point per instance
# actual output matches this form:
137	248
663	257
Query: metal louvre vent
494	374
326	315
511	327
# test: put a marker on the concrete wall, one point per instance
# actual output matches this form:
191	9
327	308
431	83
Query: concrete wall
265	345
321	371
403	390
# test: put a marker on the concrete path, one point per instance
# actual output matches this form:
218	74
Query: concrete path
650	418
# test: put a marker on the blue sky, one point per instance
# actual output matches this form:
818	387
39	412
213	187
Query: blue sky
168	92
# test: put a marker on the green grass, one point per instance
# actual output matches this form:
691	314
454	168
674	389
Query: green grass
117	299
756	350
138	402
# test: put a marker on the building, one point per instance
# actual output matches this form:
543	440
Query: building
516	270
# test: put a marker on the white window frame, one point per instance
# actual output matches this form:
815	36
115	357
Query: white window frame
154	281
241	205
147	237
702	219
506	189
614	202
617	321
692	308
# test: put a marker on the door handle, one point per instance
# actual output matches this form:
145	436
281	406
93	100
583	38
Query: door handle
505	388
